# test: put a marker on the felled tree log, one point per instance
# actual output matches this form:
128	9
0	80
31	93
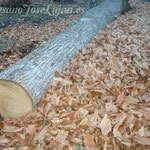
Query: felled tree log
14	100
35	70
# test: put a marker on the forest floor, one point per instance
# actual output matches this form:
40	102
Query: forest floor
23	32
100	101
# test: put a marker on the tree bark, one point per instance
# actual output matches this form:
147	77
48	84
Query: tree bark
35	70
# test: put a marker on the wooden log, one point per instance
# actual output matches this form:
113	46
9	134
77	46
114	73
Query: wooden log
35	70
14	100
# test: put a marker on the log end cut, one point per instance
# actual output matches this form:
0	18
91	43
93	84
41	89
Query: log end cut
14	99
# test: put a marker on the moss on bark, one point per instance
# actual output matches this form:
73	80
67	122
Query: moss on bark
126	6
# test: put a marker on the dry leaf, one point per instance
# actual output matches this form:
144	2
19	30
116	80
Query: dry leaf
88	141
84	122
62	136
141	131
121	99
146	114
31	129
142	140
105	125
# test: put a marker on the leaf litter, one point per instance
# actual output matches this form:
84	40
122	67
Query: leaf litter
100	101
26	38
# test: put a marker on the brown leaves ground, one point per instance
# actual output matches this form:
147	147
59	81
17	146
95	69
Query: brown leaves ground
101	100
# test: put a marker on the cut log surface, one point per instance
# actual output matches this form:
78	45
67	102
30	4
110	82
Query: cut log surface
35	71
14	99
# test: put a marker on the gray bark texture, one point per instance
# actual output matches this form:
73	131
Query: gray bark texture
35	70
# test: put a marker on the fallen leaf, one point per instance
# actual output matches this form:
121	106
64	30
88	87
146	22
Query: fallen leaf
142	140
62	136
105	125
88	141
